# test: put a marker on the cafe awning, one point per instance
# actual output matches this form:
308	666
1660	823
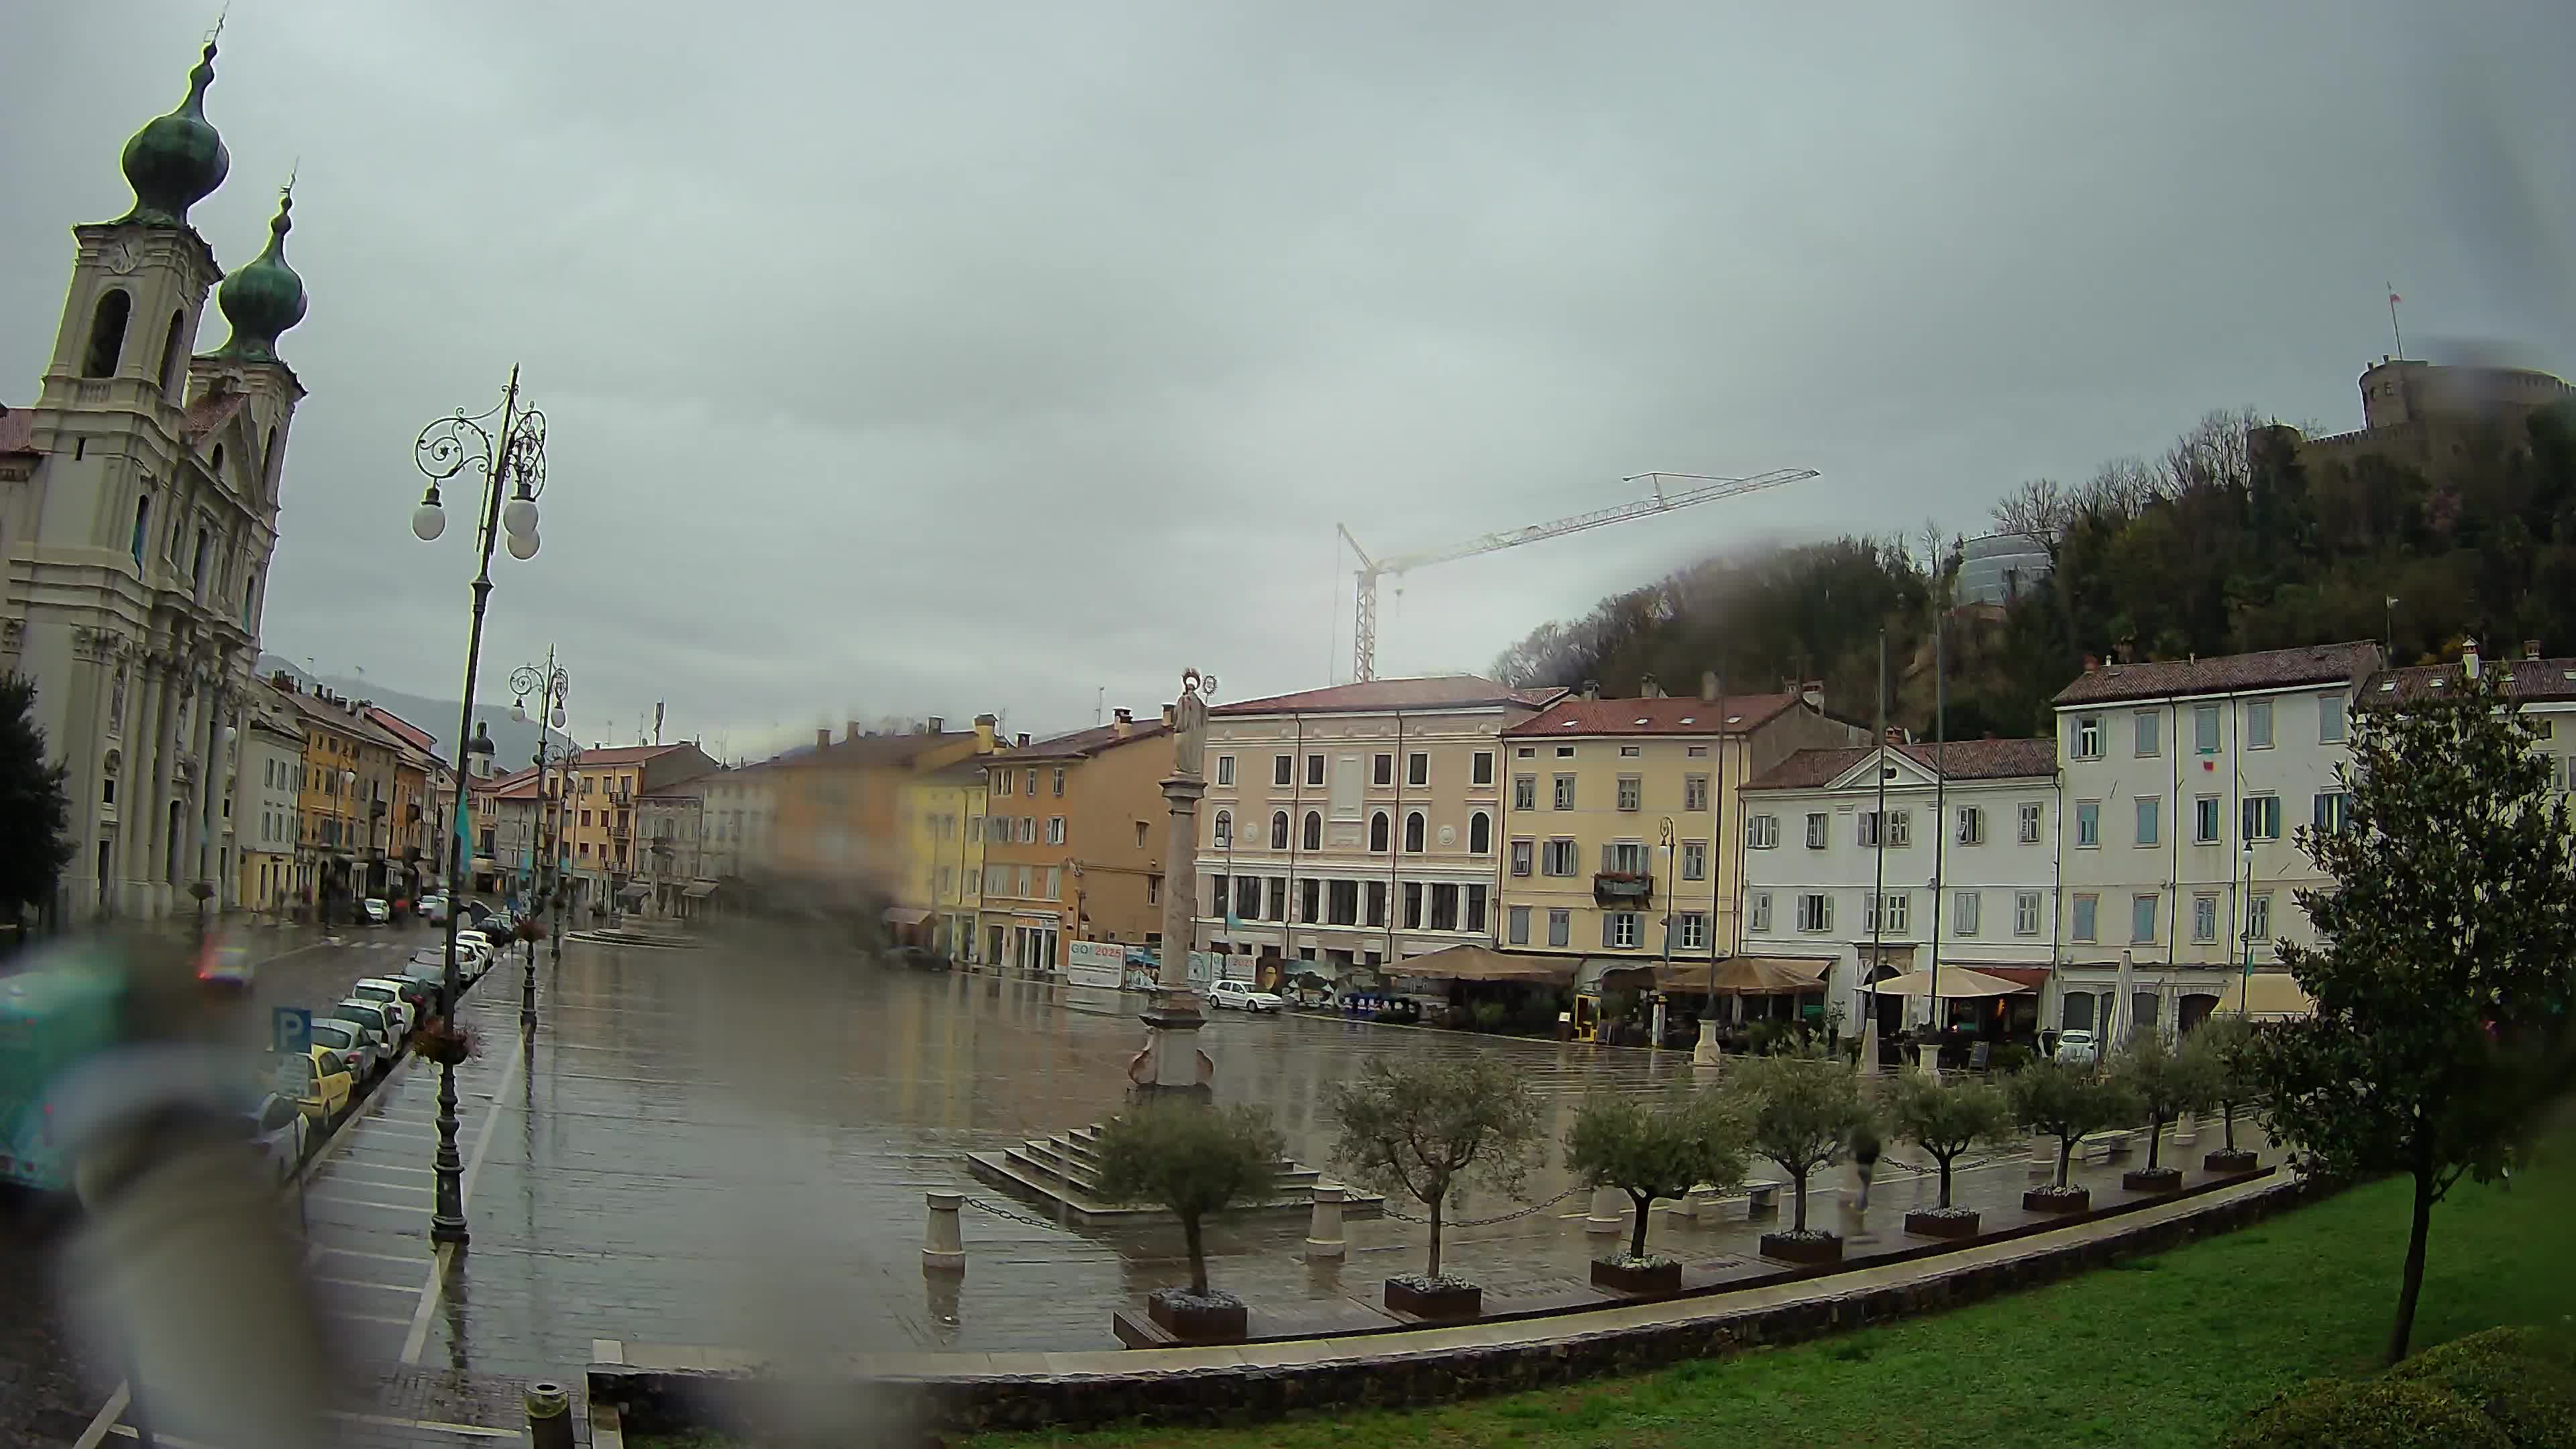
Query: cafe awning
905	915
1478	963
699	890
634	892
1733	975
1956	982
2266	996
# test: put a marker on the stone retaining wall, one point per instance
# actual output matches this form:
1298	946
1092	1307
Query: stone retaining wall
669	1399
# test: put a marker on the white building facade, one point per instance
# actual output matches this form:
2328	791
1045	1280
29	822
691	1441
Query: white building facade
2184	783
265	816
138	500
1351	827
1962	863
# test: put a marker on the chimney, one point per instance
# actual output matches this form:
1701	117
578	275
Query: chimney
1813	692
1592	689
2092	664
1895	734
985	724
2469	657
2531	649
822	736
935	725
1021	740
1122	722
850	730
2126	650
1647	688
1708	686
1169	718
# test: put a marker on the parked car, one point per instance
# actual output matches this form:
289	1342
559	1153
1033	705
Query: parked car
375	910
394	999
276	1129
353	1050
377	1021
422	995
433	909
316	1081
2077	1048
227	967
1240	996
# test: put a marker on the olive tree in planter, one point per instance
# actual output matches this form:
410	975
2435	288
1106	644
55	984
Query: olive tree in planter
1651	1150
1800	1110
1193	1159
1423	1128
1946	1120
2223	1042
2065	1101
2162	1083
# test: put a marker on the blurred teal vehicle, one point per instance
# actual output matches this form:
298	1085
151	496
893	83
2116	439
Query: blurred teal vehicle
64	1007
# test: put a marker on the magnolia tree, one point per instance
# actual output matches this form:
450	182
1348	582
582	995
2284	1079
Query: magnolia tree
1192	1159
2444	971
1422	1128
2163	1083
2067	1102
1946	1120
1800	1110
1658	1149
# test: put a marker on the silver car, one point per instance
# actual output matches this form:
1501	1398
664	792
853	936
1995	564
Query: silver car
371	1017
275	1127
357	1051
391	999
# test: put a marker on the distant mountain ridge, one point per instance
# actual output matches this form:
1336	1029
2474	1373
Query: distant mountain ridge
514	742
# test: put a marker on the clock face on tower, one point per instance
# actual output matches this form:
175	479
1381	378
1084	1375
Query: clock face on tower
119	257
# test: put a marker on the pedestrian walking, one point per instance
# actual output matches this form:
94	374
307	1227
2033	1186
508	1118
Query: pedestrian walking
1865	1160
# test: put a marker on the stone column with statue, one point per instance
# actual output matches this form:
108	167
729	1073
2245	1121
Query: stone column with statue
1172	1060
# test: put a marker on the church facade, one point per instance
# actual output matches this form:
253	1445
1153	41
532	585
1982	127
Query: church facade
138	515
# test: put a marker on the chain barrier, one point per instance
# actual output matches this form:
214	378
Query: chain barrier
1009	1216
1398	1213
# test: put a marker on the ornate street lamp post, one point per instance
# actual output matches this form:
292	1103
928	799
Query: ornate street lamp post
513	463
550	685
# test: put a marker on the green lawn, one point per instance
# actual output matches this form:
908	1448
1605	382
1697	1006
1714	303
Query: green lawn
2158	1351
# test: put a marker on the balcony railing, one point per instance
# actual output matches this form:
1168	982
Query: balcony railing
1623	887
621	832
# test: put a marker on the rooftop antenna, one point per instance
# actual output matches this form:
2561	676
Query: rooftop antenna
2393	300
1099	700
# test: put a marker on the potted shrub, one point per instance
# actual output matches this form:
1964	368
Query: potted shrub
1945	1120
2224	1040
1800	1111
443	1042
1194	1160
2065	1102
1422	1128
1649	1151
2162	1084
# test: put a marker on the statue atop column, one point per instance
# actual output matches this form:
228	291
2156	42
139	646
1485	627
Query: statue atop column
1171	1060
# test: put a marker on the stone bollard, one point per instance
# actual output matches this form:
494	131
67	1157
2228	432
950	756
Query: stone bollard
1324	1228
943	1246
549	1415
2043	1155
1609	1211
2187	1130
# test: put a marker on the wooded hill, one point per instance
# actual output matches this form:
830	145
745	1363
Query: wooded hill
2229	541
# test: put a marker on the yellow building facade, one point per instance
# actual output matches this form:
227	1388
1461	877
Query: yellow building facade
1621	837
943	854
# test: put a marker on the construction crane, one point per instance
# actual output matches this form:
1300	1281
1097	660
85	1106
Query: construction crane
1705	490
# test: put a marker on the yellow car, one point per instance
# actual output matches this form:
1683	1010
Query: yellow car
315	1083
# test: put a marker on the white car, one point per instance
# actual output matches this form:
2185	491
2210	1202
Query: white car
358	1055
276	1131
1241	996
2077	1048
376	911
391	994
433	909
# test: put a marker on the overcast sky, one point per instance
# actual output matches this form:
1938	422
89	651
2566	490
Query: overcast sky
936	359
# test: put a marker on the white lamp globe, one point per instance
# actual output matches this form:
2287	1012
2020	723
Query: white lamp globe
519	516
428	521
523	545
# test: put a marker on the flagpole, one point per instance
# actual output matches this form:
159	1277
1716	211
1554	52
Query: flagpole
2393	329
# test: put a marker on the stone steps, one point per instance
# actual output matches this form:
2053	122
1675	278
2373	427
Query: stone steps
1063	1172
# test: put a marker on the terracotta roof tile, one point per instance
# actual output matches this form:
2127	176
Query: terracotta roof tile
1448	691
877	749
2531	680
2224	673
209	413
1081	744
1958	760
1734	714
17	430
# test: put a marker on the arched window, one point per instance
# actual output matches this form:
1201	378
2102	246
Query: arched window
1378	833
174	355
1278	830
107	333
215	465
1480	833
1413	832
1224	829
269	461
1314	830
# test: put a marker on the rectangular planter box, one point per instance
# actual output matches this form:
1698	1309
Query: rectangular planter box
1807	1251
2044	1200
2225	1161
1619	1278
1461	1300
1196	1320
1941	1225
2152	1179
